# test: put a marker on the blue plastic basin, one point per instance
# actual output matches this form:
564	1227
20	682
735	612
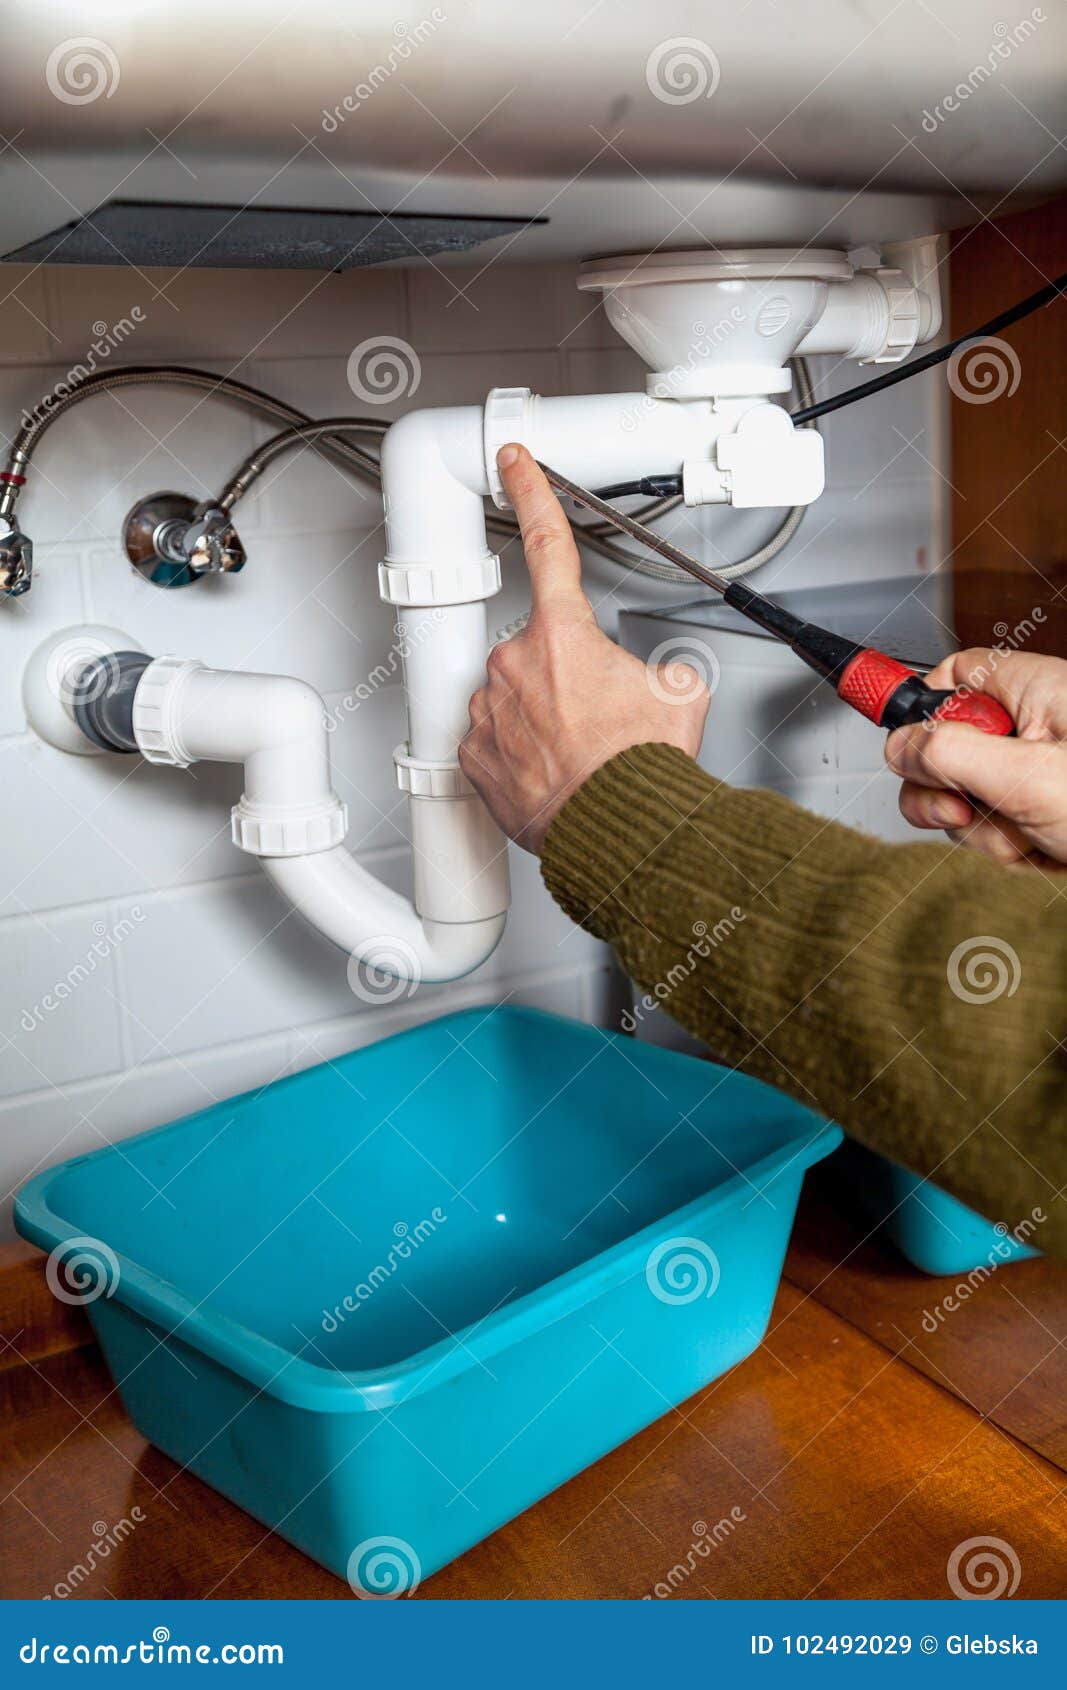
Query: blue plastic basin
936	1232
389	1302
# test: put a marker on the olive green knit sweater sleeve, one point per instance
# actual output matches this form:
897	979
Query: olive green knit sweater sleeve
917	994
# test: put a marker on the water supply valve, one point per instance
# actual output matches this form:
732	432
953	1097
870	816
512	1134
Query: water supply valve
764	461
172	540
16	562
211	543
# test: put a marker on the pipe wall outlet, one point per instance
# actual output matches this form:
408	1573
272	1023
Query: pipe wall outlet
50	682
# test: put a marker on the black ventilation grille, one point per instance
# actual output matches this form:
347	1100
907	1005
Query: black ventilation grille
233	237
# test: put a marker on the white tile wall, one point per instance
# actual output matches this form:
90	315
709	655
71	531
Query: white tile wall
206	985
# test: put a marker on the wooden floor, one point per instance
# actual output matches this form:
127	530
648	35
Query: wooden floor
848	1457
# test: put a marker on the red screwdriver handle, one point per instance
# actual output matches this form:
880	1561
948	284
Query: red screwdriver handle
977	709
892	694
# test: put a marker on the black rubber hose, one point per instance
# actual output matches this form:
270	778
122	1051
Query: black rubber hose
652	486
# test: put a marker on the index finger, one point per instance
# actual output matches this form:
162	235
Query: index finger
551	553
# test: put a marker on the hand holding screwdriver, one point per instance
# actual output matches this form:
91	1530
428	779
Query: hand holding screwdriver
1018	786
561	699
887	692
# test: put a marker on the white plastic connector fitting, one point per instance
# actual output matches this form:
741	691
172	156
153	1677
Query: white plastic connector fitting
407	585
704	483
878	317
425	778
317	827
903	318
507	411
765	462
155	719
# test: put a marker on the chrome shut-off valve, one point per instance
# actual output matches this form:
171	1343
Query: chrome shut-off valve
16	548
16	561
172	540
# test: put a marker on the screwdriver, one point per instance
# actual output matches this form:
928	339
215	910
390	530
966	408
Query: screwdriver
887	692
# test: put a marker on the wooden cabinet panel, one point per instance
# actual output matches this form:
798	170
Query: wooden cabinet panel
1009	432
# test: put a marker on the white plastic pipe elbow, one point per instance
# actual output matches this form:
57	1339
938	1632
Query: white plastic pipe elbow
377	927
292	820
